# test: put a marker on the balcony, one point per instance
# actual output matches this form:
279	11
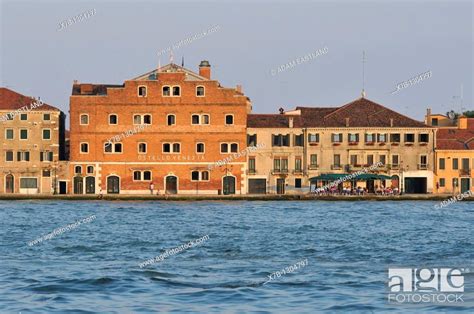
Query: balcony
422	166
336	167
370	143
297	171
280	171
354	143
313	167
251	171
395	143
465	172
313	143
394	166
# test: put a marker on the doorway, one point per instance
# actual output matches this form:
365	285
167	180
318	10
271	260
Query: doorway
228	185
9	183
171	185
280	186
113	185
90	185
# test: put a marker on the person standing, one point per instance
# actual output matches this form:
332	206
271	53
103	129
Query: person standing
152	187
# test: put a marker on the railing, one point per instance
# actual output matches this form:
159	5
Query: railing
336	167
279	171
251	171
422	166
297	171
313	167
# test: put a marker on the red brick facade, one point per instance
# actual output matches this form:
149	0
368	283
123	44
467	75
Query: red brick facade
204	113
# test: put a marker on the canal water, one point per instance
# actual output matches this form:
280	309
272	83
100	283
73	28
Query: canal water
339	253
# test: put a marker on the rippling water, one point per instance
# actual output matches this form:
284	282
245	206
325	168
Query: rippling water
349	247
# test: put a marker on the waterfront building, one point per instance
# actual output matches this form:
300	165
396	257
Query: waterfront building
32	134
303	144
161	132
454	153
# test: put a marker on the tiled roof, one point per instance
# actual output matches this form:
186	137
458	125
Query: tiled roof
456	139
270	120
359	113
11	101
93	89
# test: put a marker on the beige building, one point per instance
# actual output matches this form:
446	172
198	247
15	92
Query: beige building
32	136
305	143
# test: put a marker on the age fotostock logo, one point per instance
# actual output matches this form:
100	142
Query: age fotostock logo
425	285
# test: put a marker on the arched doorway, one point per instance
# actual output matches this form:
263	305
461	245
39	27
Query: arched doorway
395	181
171	185
9	183
90	185
228	185
113	185
78	185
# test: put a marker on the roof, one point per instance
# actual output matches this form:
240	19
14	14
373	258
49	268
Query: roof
270	120
456	139
170	68
358	113
11	100
93	89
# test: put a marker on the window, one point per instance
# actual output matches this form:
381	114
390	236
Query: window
9	155
46	116
9	116
84	119
205	119
176	90
369	137
46	156
353	137
409	138
171	119
171	148
200	91
423	138
229	119
395	161
299	140
229	148
280	164
381	138
298	183
395	138
146	175
199	175
142	148
46	173
313	161
353	160
337	160
434	122
137	119
46	134
113	119
137	176
382	159
455	164
78	170
423	162
442	163
200	148
281	140
200	119
166	91
147	119
112	148
252	164
28	183
142	91
23	156
23	116
90	169
442	182
252	140
313	138
298	164
195	119
9	134
370	160
336	138
23	134
84	148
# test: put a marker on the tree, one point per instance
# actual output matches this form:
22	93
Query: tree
469	114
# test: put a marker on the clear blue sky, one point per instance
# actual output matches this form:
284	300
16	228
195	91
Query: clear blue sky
122	40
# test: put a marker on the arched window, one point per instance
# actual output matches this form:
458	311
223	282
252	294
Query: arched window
147	175
171	119
77	169
200	148
176	91
113	119
90	169
166	91
142	148
200	91
142	91
195	176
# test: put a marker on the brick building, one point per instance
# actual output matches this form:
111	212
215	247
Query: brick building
165	129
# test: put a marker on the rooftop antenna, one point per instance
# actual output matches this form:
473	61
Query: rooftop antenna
171	57
363	74
182	61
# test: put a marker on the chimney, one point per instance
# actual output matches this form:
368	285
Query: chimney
205	69
462	123
290	122
347	122
391	122
239	88
428	116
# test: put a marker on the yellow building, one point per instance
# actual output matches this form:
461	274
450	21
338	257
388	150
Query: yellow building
454	153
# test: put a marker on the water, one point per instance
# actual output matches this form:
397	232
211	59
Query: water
349	247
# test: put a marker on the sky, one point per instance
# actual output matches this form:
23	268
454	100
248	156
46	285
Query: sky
251	41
